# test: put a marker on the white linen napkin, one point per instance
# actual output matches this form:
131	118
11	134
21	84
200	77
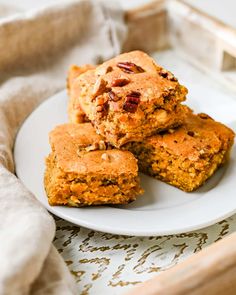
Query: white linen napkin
36	49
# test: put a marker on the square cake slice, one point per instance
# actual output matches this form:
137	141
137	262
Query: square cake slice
187	156
128	98
82	170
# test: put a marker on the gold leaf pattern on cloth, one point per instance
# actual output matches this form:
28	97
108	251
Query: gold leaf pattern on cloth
103	263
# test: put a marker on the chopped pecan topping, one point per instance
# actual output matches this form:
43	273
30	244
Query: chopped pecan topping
163	73
113	96
101	100
201	152
92	147
171	130
109	69
168	75
106	157
130	107
132	101
161	116
119	82
169	89
129	67
204	116
99	87
191	133
133	97
101	145
81	149
109	146
102	110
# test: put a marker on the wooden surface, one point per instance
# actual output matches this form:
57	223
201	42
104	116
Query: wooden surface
203	40
211	271
222	10
147	27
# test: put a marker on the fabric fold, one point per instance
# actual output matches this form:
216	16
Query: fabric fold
36	49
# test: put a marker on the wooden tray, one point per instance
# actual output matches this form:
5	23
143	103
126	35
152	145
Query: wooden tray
202	40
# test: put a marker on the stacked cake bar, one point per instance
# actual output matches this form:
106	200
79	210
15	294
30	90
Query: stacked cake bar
127	98
83	170
135	112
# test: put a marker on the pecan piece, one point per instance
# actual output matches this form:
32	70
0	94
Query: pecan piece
102	110
113	96
168	75
119	82
204	116
161	116
81	149
106	157
202	152
191	133
133	97
99	87
91	147
132	101
171	130
101	100
129	67
109	69
101	145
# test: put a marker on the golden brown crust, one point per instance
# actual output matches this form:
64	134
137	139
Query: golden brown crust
82	170
187	156
125	95
199	135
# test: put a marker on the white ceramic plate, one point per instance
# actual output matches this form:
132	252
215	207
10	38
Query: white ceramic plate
163	209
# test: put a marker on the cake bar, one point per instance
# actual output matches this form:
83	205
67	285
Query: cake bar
83	170
128	98
187	156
